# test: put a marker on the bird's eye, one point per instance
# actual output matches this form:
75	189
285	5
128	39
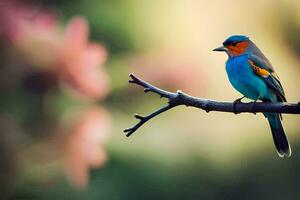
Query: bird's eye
234	44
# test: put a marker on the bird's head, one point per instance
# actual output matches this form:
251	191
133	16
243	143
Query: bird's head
235	45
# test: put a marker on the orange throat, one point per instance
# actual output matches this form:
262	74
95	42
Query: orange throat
239	49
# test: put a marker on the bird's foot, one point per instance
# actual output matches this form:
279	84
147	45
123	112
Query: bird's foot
253	105
239	100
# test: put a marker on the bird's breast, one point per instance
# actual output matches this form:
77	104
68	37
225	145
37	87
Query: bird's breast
243	79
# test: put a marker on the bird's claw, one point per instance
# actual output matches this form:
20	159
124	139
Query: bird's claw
239	100
253	105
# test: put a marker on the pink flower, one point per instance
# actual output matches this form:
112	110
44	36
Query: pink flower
67	53
83	146
67	58
39	41
81	60
12	16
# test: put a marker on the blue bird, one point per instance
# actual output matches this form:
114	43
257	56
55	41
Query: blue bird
252	74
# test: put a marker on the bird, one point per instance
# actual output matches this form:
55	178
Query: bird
252	74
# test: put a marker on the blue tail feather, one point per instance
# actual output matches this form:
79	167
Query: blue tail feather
279	137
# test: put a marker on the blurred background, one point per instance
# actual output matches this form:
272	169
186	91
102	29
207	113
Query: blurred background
65	100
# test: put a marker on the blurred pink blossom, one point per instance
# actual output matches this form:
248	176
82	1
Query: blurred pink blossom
172	70
12	16
81	61
77	63
83	145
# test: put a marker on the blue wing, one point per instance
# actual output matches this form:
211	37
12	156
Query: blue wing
264	70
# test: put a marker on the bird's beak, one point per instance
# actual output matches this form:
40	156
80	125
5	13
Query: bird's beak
222	48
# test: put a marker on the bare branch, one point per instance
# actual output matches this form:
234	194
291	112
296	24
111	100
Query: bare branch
143	120
179	98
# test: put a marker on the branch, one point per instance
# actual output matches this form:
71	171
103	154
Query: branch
179	98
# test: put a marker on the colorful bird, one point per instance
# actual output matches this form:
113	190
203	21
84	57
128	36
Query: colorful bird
252	74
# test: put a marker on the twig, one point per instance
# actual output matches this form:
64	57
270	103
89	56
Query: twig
179	98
